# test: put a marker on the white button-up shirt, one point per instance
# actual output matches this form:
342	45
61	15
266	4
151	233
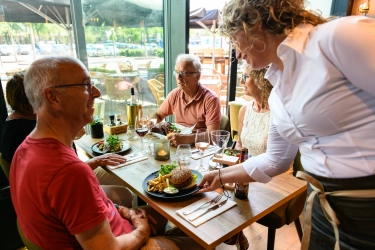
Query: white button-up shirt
323	101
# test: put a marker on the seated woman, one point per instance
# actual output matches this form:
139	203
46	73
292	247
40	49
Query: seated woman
254	118
22	121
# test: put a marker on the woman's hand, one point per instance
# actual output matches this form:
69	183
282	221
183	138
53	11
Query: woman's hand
210	182
106	159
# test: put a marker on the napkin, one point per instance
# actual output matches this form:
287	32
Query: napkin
128	162
208	216
209	151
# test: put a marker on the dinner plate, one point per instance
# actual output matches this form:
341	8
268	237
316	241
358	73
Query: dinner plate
160	136
126	145
180	194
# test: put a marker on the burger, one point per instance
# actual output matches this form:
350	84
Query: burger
182	178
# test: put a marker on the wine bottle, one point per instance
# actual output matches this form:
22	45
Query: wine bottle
132	108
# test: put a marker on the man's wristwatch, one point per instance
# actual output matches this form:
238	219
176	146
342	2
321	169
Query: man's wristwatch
117	206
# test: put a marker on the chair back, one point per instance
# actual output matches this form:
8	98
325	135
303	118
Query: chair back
234	109
224	124
28	244
5	165
118	88
157	89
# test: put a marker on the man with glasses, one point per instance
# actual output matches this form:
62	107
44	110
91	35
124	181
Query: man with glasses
57	198
190	103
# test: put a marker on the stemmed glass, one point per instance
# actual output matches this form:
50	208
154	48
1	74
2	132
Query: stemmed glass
184	153
141	128
202	142
220	139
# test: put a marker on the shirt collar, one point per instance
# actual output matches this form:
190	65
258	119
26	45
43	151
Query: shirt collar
197	95
296	40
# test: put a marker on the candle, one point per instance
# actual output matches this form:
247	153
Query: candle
161	149
162	152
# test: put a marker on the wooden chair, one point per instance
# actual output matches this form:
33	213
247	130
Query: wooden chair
219	60
144	66
5	165
200	55
118	91
157	89
28	244
287	213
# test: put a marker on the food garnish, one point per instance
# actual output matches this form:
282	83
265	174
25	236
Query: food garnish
167	168
111	144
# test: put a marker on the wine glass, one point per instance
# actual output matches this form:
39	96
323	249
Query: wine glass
220	139
141	128
202	142
184	153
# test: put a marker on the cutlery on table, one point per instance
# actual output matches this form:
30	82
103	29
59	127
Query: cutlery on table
214	200
208	210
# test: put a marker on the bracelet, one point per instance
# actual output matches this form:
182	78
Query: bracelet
222	185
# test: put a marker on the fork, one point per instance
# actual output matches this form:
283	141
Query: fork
214	200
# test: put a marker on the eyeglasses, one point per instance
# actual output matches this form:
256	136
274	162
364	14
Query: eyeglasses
244	77
183	74
89	86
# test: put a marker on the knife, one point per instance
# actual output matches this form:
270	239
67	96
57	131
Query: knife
208	210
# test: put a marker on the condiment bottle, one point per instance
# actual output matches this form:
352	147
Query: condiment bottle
241	190
244	154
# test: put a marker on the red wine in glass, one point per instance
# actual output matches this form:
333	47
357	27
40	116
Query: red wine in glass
141	131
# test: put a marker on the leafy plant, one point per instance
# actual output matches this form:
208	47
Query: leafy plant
96	121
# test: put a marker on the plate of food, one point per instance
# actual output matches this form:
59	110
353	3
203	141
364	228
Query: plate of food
111	145
183	179
162	129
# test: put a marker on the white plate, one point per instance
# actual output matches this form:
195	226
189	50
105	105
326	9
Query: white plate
160	136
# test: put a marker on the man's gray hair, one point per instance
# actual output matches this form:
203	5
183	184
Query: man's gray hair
41	74
190	58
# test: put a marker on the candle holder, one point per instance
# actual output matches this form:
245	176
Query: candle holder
162	149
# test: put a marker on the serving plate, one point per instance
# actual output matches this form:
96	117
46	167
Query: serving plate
180	194
126	145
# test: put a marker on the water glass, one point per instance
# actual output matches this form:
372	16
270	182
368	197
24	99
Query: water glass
130	133
184	154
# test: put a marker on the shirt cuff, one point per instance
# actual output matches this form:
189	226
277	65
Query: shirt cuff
255	173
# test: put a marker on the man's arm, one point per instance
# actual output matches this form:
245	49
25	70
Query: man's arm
158	116
101	236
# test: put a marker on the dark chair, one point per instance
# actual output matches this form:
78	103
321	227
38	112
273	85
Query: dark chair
9	237
287	213
28	244
224	124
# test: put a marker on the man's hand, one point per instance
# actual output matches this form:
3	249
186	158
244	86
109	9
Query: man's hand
106	159
177	139
139	220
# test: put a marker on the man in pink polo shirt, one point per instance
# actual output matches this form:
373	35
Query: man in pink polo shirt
190	103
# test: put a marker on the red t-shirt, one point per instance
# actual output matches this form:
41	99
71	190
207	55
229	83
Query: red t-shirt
56	195
203	110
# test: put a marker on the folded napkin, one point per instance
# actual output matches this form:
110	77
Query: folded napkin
209	151
129	161
208	216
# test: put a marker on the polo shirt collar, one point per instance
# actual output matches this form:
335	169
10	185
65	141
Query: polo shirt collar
197	95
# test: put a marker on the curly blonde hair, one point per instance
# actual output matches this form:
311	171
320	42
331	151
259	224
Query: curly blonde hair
262	83
277	17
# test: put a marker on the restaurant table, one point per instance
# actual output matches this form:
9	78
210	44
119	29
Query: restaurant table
132	76
262	198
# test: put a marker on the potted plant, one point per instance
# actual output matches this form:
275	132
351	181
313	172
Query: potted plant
96	128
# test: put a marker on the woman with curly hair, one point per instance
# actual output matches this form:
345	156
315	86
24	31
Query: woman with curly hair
322	103
254	118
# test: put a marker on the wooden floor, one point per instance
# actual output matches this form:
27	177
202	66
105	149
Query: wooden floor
286	238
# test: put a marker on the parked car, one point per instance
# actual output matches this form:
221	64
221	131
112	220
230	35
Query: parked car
110	51
95	50
59	49
44	49
6	50
25	49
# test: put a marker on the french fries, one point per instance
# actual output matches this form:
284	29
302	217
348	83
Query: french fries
158	184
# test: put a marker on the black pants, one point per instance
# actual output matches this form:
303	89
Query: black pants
356	216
